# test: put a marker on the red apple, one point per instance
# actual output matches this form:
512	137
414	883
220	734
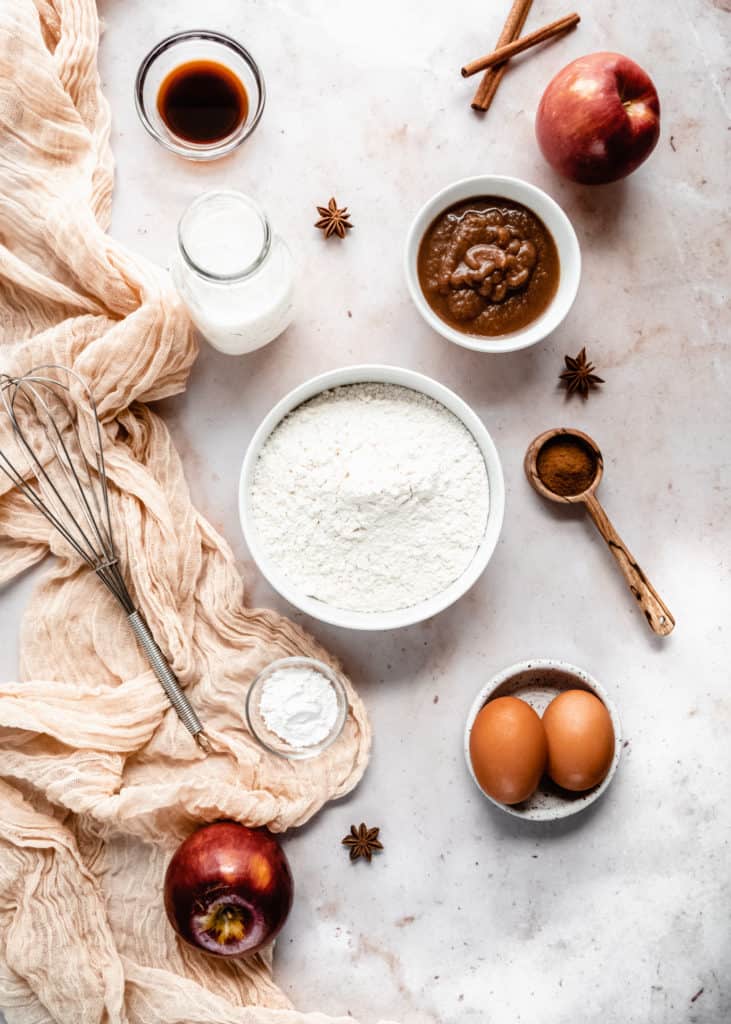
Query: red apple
228	889
598	119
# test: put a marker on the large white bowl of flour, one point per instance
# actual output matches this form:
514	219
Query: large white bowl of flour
371	497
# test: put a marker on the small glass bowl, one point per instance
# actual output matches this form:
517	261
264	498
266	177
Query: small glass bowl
270	740
182	48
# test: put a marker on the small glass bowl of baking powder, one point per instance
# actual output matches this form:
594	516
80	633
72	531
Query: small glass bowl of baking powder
296	707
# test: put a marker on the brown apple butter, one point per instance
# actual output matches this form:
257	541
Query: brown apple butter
488	266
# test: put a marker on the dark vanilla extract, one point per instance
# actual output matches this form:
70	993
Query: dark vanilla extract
202	102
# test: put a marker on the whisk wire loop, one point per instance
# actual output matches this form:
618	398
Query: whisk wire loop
69	466
71	491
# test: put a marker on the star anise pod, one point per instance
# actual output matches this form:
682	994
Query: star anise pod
333	221
363	842
579	375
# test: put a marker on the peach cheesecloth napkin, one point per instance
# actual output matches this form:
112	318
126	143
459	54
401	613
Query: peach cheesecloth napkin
99	780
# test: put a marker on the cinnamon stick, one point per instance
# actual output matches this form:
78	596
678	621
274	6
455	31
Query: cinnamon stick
504	53
493	76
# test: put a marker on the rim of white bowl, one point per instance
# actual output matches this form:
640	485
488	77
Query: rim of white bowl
383	374
553	217
579	802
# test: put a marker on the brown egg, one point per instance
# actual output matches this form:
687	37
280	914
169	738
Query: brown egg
580	740
508	749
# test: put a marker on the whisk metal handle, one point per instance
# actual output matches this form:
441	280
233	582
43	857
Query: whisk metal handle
167	678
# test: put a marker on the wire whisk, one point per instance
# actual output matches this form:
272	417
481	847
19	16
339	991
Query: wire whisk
58	464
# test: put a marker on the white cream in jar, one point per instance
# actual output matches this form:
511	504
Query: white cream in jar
234	274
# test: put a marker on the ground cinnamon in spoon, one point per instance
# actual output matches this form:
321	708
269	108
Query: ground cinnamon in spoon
566	465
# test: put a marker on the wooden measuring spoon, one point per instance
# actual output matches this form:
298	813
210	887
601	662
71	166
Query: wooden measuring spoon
579	488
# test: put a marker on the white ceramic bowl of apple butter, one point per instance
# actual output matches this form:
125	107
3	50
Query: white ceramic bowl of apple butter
492	263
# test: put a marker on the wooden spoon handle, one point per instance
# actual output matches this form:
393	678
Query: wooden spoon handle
655	610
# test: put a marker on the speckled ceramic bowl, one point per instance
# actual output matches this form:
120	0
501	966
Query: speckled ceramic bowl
537	682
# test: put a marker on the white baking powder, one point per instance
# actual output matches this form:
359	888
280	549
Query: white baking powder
370	497
299	704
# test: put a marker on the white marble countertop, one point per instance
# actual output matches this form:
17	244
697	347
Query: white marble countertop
620	914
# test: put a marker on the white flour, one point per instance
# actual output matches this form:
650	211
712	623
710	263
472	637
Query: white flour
299	705
371	497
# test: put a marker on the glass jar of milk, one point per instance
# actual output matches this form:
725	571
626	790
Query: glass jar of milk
235	276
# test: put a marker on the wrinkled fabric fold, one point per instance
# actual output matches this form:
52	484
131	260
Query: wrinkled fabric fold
98	778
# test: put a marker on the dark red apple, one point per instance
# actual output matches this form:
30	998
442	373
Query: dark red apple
228	889
598	119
